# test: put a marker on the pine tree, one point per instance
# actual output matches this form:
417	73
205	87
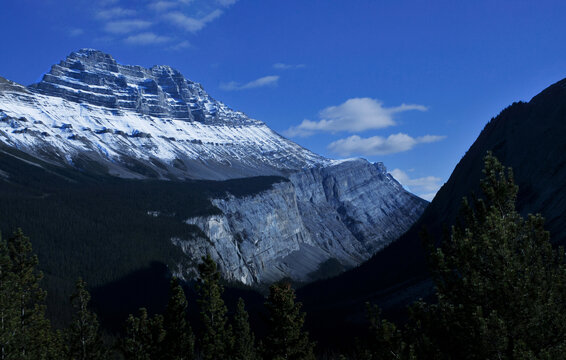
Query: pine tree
31	338
216	340
8	309
501	286
286	338
144	337
385	339
83	336
179	341
244	340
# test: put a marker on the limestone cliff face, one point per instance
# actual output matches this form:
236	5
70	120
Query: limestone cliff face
251	233
98	116
346	211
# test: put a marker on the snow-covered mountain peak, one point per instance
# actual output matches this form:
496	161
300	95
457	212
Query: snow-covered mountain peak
104	118
93	77
140	121
92	57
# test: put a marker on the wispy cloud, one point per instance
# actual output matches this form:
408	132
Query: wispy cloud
126	26
108	2
354	115
426	187
157	21
192	24
270	80
115	12
76	32
163	5
226	3
283	66
104	39
180	46
147	38
378	145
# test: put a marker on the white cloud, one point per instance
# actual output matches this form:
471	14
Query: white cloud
180	46
147	38
426	187
190	15
270	80
354	115
192	24
226	3
283	66
107	2
378	145
162	5
126	26
114	13
105	39
76	32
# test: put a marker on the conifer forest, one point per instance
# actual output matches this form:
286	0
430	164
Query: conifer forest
500	293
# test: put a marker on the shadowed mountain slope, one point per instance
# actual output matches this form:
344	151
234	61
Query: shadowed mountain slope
529	137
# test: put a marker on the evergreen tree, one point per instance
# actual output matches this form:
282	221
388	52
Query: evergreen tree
28	334
83	336
8	312
501	286
244	340
8	308
144	337
286	338
57	348
385	341
216	340
179	339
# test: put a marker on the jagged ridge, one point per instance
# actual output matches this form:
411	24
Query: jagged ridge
96	115
91	109
93	77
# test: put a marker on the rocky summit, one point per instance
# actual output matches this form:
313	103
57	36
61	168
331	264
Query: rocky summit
92	114
140	123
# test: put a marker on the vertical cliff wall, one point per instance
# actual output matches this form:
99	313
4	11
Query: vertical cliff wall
344	212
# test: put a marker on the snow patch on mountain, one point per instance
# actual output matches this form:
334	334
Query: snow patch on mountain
89	104
96	115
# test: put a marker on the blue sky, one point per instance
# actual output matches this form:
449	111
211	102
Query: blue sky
408	83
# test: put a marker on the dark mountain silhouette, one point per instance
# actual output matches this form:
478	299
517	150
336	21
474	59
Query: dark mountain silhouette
529	137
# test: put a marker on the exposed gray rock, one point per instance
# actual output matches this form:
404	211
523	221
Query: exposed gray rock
93	77
252	231
96	115
346	211
7	85
123	117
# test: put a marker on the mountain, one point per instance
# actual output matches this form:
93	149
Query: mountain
323	219
529	137
149	142
140	123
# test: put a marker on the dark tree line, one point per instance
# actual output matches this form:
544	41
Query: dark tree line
500	287
500	294
170	336
25	332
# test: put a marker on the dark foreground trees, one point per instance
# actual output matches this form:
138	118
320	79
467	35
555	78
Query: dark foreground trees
216	340
143	337
244	339
501	286
83	338
179	341
25	333
286	338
